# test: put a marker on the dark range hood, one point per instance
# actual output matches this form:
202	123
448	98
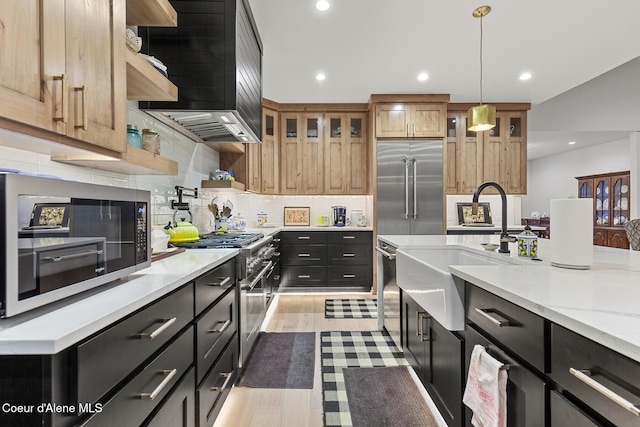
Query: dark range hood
214	57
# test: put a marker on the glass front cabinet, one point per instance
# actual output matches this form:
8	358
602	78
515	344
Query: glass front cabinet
611	206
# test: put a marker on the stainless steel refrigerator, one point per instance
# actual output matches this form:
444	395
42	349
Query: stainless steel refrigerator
408	201
409	187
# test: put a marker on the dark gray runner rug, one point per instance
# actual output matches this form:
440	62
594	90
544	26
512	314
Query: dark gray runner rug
385	397
281	360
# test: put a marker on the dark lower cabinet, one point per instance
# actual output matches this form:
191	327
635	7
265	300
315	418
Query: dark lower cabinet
178	410
436	355
565	413
526	391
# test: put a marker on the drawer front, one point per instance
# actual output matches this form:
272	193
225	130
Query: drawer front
565	413
349	254
603	366
213	332
179	409
304	255
107	358
350	238
526	392
215	388
358	275
305	276
303	238
210	286
522	332
140	396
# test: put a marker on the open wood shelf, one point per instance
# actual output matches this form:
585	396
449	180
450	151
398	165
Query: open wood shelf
133	162
151	13
223	185
145	83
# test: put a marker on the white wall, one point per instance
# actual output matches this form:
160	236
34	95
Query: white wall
553	177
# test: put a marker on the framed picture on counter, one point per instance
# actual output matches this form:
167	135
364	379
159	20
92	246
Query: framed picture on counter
466	217
296	215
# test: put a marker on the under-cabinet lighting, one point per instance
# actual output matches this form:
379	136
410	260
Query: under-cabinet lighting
423	76
225	119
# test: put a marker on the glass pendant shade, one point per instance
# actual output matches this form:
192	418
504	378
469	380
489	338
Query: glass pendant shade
481	117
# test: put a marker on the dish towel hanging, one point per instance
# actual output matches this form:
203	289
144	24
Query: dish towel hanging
486	390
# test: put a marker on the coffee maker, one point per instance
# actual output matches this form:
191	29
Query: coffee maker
339	215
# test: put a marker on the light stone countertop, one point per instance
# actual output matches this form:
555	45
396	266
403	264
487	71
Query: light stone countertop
51	329
600	303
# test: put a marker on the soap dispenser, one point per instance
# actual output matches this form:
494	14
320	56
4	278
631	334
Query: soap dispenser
527	243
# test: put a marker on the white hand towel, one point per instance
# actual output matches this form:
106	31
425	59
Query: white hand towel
486	390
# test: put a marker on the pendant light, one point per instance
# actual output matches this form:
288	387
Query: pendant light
483	116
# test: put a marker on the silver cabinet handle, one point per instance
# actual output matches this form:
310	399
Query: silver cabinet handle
226	375
304	237
585	376
348	237
304	276
162	328
71	256
415	187
304	255
348	255
222	328
348	276
385	253
497	322
169	374
406	186
221	283
276	240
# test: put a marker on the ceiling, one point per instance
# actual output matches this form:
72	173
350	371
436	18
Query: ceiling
369	47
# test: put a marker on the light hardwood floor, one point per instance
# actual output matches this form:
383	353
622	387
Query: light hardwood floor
293	407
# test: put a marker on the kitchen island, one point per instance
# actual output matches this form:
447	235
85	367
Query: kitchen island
569	337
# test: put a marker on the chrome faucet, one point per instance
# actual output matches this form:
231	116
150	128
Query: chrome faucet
504	236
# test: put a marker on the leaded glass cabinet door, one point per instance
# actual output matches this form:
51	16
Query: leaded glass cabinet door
620	200
602	201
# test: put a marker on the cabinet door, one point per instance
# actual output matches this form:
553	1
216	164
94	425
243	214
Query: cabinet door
515	152
414	322
600	237
620	200
392	121
291	152
452	154
602	186
253	156
427	120
96	66
335	159
312	153
617	239
471	155
32	64
270	153
356	154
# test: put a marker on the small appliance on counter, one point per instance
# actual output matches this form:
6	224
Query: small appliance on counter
323	221
339	215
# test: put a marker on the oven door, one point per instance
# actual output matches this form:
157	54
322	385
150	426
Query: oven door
253	307
272	280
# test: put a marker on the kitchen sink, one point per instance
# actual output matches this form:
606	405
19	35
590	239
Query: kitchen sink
424	274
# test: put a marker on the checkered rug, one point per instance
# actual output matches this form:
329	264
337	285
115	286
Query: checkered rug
350	308
346	350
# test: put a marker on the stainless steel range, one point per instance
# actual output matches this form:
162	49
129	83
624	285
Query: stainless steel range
257	262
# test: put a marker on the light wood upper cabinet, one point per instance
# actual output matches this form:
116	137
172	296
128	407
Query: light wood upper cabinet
410	120
270	166
32	63
498	155
253	167
62	68
302	151
345	154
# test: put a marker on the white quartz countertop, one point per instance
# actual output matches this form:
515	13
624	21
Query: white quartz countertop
55	327
600	303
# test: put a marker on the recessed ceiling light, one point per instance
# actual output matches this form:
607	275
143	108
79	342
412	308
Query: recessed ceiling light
572	143
322	5
423	76
320	76
525	76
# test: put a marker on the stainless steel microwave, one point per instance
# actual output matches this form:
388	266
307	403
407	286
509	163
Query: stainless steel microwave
65	237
